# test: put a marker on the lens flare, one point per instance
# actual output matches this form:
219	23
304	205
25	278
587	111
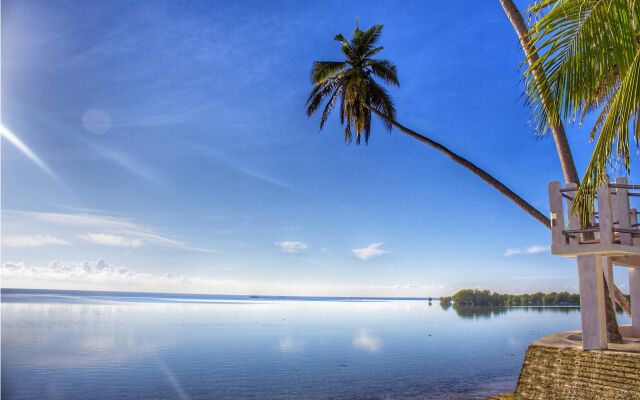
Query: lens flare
24	149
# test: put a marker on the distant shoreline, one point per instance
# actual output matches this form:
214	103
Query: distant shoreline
5	291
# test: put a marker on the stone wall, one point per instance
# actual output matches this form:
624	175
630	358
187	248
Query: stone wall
553	371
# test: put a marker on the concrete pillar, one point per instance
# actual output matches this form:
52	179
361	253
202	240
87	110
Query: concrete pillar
592	304
634	289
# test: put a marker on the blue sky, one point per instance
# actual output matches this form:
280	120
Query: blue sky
176	153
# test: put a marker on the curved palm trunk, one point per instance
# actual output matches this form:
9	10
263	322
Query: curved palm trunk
562	144
481	173
613	333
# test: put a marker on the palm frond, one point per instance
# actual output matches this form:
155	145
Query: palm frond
589	62
613	140
322	71
317	96
385	70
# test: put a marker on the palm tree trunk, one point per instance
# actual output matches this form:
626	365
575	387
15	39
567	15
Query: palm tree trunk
484	175
613	332
559	136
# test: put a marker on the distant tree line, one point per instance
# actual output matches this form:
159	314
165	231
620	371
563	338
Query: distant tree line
475	297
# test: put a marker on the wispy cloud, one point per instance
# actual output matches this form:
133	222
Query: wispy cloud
291	247
372	251
127	162
240	166
110	230
535	249
263	177
24	149
32	241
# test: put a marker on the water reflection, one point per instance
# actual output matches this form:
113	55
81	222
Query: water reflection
290	345
172	380
363	339
112	348
468	312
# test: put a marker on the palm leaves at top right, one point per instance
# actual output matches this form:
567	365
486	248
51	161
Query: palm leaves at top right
590	58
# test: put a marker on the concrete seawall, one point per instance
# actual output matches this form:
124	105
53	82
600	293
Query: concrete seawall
556	367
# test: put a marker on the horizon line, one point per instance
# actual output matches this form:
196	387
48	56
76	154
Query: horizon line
258	296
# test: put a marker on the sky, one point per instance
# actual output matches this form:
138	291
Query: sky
164	146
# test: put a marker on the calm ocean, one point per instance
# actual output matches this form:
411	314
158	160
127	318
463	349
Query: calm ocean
105	345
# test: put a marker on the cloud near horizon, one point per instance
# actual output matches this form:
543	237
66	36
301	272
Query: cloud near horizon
101	275
288	246
369	252
535	249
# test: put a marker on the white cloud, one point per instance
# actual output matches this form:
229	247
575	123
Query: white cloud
291	247
32	241
111	240
369	252
511	251
535	249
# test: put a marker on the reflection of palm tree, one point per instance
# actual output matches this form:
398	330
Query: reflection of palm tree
351	84
467	312
478	312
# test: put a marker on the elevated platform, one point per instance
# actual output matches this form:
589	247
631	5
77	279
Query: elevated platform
556	367
614	231
611	237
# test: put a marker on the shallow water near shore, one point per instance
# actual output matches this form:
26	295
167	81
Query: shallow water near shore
98	345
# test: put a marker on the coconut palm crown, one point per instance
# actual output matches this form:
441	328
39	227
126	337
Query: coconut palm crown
352	83
590	56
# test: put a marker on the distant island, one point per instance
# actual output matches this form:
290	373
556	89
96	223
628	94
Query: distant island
475	297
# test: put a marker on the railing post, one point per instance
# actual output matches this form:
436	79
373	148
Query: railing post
633	220
574	220
622	211
605	215
557	216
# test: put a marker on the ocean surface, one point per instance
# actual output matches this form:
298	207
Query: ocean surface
107	345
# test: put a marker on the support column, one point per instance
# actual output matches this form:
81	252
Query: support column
607	266
634	289
592	303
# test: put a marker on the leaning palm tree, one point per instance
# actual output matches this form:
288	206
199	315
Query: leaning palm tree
590	57
554	124
353	86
